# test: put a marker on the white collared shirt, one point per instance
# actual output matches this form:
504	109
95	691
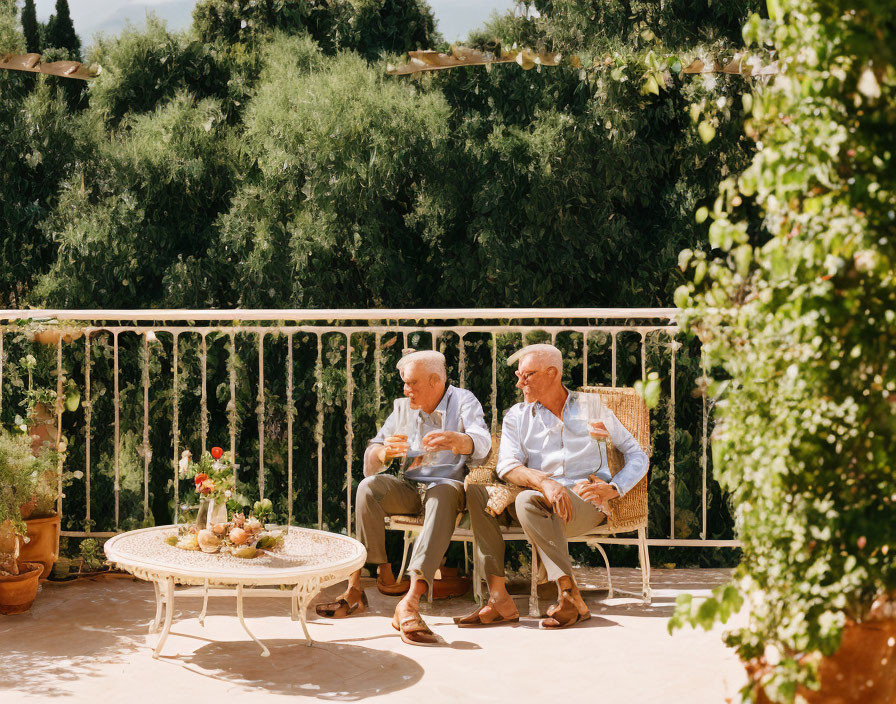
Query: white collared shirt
462	413
534	437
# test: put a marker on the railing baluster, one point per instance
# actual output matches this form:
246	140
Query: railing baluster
259	410
494	396
349	432
116	403
673	348
703	440
378	370
319	430
59	408
203	394
585	358
147	452
462	361
231	404
643	356
175	427
88	417
290	415
613	362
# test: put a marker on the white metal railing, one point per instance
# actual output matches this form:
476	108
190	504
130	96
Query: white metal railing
440	324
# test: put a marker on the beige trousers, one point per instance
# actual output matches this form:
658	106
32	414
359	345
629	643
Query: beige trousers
387	495
542	526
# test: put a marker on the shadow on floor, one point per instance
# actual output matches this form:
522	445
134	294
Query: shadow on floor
329	671
72	633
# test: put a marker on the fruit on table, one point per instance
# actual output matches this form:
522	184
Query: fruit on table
253	525
238	536
219	529
171	540
246	552
208	541
188	542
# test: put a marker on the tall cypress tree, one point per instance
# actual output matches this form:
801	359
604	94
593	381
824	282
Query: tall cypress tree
30	27
61	31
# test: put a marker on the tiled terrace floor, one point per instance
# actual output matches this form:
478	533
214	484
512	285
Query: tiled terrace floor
87	642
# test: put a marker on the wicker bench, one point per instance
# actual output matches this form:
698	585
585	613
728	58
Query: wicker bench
628	513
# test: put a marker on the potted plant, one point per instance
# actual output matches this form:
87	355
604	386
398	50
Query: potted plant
48	447
18	475
796	310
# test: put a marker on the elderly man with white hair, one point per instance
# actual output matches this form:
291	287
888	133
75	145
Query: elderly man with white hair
547	447
448	426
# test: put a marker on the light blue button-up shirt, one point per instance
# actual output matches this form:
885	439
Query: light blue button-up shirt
534	437
461	413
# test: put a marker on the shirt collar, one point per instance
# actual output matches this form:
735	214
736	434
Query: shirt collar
569	398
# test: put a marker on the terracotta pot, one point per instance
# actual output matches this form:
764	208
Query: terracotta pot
43	544
17	593
862	671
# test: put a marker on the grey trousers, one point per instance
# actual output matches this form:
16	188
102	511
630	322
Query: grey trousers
387	495
542	526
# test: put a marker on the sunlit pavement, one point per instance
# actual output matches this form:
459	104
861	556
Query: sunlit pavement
87	642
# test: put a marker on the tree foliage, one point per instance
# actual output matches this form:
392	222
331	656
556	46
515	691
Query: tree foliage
265	159
30	27
799	311
60	32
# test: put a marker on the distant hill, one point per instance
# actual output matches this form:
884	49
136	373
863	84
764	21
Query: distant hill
178	14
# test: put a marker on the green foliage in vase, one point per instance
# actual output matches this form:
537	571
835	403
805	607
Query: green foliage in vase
798	312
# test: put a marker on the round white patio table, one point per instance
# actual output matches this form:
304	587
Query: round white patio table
308	561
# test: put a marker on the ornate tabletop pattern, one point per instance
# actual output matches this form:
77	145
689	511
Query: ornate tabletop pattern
305	553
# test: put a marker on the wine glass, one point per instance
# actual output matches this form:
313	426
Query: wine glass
429	458
404	421
595	412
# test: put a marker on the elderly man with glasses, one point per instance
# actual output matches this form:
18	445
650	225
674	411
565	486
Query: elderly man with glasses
444	425
546	447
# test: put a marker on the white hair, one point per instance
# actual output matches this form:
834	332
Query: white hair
546	355
430	360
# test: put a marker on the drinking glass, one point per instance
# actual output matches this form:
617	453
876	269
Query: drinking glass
404	420
429	458
595	412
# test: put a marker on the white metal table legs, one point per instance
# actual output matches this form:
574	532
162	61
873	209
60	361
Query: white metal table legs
204	606
169	614
157	621
239	612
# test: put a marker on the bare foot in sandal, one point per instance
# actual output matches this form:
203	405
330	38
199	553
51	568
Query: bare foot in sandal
493	613
407	619
353	601
570	608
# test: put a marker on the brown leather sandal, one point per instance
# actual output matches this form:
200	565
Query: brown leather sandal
564	613
394	589
477	619
414	631
341	608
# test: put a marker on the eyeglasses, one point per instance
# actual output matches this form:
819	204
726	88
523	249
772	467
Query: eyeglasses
525	376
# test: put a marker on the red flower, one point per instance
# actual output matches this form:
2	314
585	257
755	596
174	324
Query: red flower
201	477
217	452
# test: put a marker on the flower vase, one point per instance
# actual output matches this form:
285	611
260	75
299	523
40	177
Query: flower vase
217	513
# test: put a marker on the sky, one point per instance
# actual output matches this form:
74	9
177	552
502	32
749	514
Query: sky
455	17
